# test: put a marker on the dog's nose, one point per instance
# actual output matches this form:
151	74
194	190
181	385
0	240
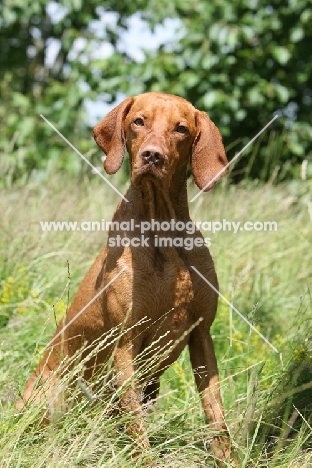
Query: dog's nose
152	154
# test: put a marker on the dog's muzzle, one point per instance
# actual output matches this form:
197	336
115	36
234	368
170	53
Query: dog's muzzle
152	155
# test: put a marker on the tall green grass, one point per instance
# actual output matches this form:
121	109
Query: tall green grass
266	275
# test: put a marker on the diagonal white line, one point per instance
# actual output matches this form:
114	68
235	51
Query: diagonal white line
83	157
84	308
237	311
235	157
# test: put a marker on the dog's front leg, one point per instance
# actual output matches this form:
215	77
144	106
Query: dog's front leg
130	398
207	380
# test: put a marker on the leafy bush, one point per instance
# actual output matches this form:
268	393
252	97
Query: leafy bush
241	62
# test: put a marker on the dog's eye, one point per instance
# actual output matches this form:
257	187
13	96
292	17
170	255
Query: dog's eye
139	122
181	129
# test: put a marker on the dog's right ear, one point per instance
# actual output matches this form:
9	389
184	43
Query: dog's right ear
109	135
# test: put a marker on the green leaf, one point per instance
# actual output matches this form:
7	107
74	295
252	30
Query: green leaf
255	96
281	54
209	61
190	79
210	99
306	15
232	38
282	92
296	34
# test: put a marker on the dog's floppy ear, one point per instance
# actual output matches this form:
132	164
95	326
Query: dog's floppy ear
208	159
109	134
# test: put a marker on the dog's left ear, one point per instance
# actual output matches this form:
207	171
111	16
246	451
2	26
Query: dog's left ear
109	134
208	159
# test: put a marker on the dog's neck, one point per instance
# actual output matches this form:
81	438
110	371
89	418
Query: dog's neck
151	200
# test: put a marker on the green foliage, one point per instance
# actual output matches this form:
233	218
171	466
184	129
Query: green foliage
240	62
46	50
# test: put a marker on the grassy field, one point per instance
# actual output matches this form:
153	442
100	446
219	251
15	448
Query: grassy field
266	275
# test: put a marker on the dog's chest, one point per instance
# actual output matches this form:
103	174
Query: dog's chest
168	307
168	289
156	286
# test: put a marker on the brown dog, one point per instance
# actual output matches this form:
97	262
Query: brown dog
161	133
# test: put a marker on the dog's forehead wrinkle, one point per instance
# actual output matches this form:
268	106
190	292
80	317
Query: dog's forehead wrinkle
162	109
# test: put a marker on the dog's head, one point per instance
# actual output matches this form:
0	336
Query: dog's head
161	132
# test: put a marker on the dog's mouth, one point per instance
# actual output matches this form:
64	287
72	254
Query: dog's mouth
146	172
